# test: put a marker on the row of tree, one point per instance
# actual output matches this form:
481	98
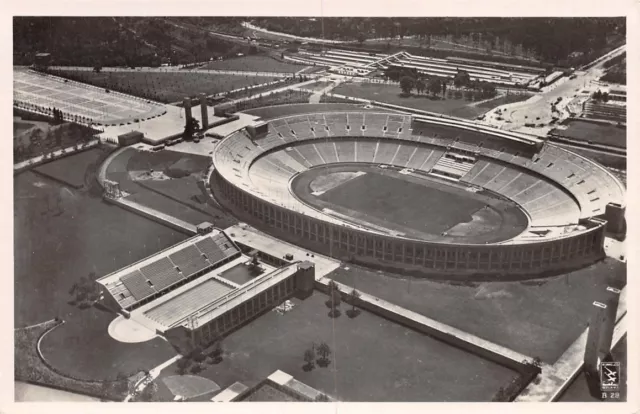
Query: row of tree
434	85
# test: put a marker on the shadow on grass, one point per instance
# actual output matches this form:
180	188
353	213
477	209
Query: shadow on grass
353	313
323	362
334	313
308	367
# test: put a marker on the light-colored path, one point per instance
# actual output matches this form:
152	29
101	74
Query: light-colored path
129	331
41	158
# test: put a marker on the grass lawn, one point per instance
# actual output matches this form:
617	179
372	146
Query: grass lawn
21	126
29	367
97	356
503	100
254	64
537	318
393	95
61	235
372	359
165	86
604	134
71	169
578	391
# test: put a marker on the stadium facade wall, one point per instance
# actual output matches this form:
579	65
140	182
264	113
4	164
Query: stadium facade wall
449	261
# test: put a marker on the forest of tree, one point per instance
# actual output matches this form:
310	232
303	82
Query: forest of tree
117	41
552	39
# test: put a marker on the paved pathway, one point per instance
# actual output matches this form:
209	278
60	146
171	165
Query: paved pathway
41	158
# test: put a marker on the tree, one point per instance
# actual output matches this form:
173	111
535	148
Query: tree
597	95
420	85
190	128
321	398
434	86
183	366
309	357
149	393
444	88
488	90
406	84
605	97
461	79
354	295
323	352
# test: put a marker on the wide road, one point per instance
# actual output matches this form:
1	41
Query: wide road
538	110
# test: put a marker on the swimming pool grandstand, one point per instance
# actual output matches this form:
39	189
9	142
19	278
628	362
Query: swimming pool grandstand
141	282
561	192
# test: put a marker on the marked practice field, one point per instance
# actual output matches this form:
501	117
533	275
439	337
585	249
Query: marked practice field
537	318
392	94
254	64
376	360
71	169
414	206
596	133
58	243
166	86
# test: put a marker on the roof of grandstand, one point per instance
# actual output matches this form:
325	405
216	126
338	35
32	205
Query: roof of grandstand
159	272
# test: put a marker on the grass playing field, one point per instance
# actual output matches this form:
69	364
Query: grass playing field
71	169
390	199
376	360
254	64
596	133
414	206
165	86
393	95
537	318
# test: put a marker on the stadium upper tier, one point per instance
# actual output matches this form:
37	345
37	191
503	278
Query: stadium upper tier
555	187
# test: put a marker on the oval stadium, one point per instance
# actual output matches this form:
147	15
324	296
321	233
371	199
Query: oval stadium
426	195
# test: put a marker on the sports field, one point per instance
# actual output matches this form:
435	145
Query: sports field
537	318
373	359
393	95
413	205
595	133
165	86
168	181
71	169
254	64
